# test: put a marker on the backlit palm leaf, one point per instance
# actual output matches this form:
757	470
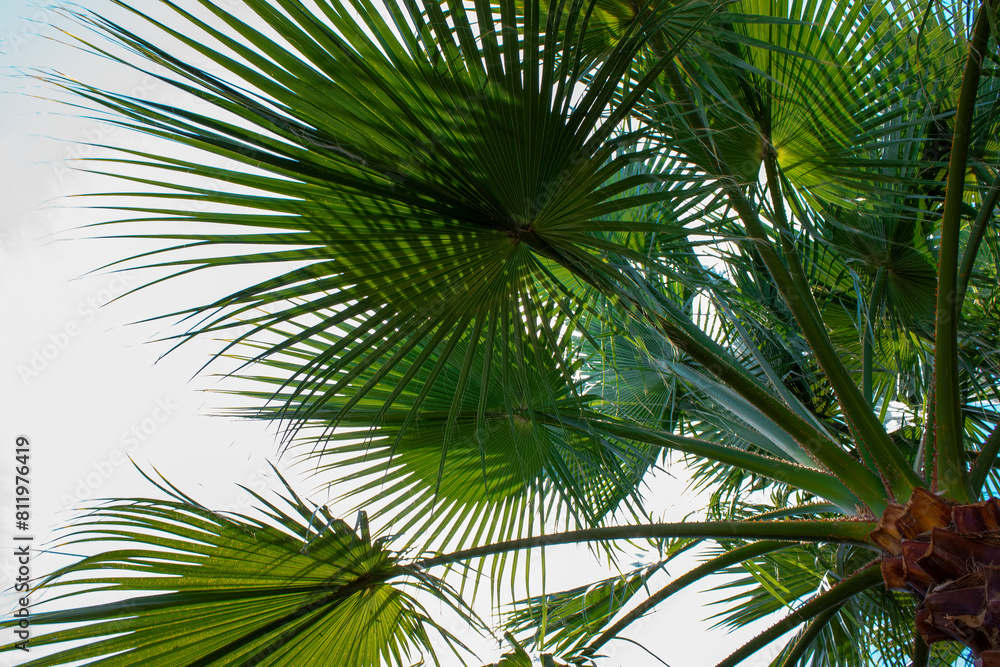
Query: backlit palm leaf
511	250
466	471
565	621
874	623
424	194
298	587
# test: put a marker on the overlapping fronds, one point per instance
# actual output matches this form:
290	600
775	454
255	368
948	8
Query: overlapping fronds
295	587
507	253
416	184
494	465
874	624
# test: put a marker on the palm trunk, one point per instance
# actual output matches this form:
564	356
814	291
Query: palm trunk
948	555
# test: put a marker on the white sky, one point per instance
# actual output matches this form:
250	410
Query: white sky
86	387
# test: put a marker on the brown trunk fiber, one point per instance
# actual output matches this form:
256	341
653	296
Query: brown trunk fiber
948	555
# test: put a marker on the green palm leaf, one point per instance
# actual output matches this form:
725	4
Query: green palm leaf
875	623
466	471
818	86
297	587
486	302
410	194
566	620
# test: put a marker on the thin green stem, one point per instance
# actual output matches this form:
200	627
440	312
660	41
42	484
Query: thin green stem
852	532
802	286
836	596
820	483
951	471
921	655
859	479
806	639
697	124
786	237
737	555
868	354
976	233
678	328
684	334
893	466
927	446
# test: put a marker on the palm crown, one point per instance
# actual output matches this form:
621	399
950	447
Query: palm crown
517	253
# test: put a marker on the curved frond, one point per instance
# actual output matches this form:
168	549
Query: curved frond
462	456
412	195
296	587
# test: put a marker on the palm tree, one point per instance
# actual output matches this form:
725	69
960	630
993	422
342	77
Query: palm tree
520	251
